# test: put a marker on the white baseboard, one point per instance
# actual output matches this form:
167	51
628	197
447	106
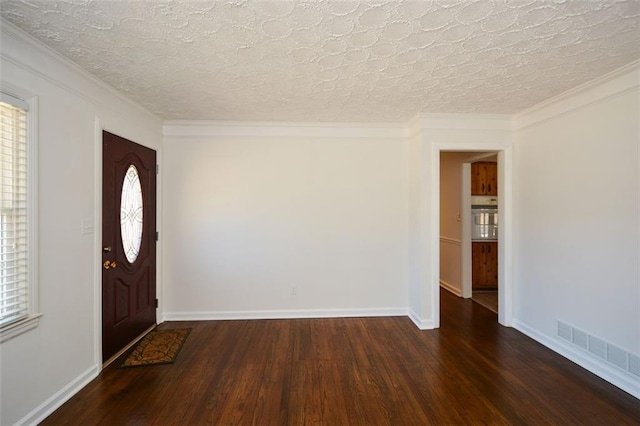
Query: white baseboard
283	314
63	395
450	288
422	324
623	380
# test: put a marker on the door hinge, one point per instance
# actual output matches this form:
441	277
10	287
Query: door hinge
157	236
156	303
157	169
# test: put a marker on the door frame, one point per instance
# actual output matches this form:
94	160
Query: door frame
505	236
99	127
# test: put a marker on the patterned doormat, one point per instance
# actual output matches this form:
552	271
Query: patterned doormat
157	347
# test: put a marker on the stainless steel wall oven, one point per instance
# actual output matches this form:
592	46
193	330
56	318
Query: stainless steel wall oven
484	218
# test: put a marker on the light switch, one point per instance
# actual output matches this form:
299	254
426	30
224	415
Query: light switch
87	226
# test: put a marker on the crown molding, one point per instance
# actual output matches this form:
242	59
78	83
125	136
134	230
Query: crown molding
199	128
491	122
615	83
8	30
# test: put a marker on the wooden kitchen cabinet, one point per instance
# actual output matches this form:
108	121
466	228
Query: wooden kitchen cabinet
484	265
484	178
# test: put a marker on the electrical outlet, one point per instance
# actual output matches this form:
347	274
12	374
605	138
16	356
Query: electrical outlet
293	291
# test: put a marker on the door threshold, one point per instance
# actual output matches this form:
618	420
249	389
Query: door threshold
129	346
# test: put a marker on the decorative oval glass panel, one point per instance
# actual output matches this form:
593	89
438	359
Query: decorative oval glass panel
131	214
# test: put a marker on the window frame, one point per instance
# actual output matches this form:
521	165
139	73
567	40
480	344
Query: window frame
31	320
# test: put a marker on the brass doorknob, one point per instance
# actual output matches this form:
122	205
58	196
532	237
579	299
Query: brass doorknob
108	264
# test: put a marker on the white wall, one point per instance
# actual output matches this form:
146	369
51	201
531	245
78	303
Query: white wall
451	193
249	214
451	220
417	240
42	367
577	218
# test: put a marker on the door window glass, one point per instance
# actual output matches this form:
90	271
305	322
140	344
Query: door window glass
131	214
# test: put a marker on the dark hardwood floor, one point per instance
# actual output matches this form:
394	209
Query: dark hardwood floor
361	371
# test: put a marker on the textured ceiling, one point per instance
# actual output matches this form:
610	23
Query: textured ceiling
358	61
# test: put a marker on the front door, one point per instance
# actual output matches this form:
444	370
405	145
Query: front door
128	242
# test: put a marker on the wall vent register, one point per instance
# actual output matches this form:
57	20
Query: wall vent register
614	355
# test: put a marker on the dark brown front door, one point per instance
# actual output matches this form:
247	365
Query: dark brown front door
128	242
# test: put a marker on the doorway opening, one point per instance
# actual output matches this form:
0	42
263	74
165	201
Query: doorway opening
452	216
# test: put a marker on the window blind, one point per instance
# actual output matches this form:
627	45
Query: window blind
14	285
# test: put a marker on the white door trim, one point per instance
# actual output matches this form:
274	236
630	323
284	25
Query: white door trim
97	246
465	215
505	236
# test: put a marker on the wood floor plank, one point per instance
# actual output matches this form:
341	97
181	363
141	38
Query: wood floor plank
353	371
